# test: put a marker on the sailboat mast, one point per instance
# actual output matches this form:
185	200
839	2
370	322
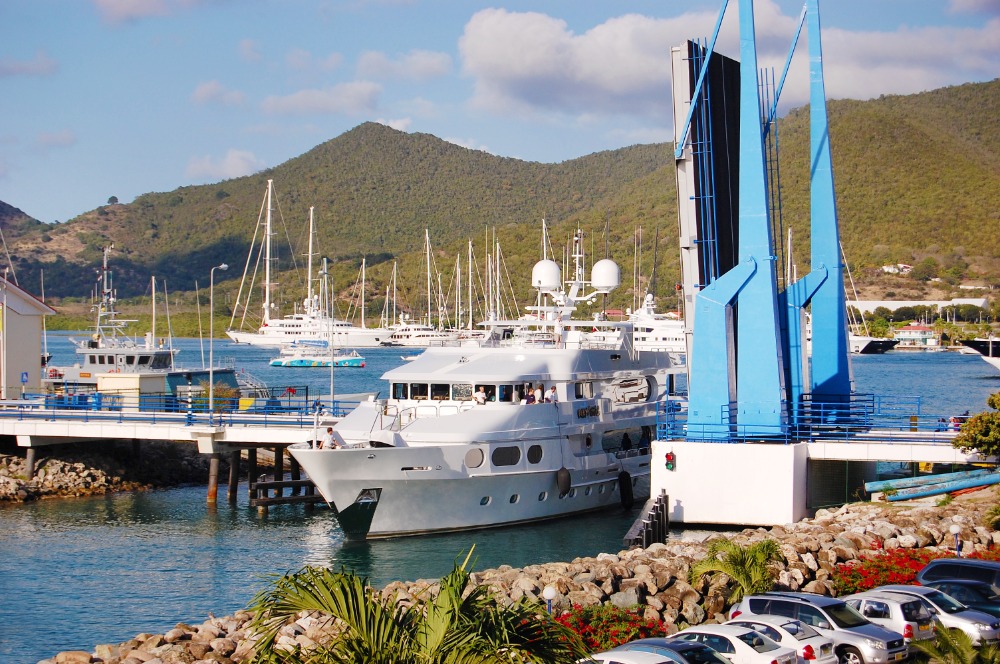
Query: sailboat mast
362	291
153	331
427	247
267	255
470	285
309	271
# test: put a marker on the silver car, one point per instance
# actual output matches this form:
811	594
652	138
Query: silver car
905	614
981	627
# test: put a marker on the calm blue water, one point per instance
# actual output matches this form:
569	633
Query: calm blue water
75	573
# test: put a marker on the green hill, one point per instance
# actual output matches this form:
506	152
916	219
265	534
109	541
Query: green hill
917	177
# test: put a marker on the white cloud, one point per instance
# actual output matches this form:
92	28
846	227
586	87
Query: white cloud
974	6
417	65
213	92
122	11
57	139
533	64
400	124
40	65
350	98
236	163
250	50
470	143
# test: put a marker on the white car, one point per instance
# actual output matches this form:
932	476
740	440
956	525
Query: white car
811	646
740	645
628	657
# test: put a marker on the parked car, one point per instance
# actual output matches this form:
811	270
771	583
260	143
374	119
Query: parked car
811	646
856	640
972	569
740	645
981	627
977	595
659	650
901	613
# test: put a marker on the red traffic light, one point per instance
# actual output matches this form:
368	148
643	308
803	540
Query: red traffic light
671	461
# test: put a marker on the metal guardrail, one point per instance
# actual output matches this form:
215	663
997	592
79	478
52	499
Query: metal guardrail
854	417
164	409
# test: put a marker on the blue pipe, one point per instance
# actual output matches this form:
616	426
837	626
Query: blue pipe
944	487
907	482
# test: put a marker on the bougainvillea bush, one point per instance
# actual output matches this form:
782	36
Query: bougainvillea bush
605	626
890	566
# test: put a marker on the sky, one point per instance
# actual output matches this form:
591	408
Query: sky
102	98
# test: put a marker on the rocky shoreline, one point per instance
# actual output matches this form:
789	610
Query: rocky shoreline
655	578
98	468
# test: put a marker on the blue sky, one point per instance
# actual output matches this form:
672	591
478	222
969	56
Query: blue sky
124	97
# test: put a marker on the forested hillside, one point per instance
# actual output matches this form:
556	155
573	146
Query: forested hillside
917	178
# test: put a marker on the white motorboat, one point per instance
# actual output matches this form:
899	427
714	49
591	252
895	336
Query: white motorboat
316	353
313	322
987	347
419	335
441	454
658	332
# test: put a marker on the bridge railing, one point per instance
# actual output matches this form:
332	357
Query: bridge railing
167	408
857	416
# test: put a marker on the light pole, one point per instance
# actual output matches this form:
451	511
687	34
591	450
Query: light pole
955	529
549	593
211	337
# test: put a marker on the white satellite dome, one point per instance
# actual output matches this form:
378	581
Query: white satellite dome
546	275
606	275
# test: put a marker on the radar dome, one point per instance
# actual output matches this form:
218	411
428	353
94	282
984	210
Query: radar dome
546	275
605	276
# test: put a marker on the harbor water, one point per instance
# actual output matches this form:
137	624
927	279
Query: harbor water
78	572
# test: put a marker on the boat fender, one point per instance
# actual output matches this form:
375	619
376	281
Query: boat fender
625	489
563	480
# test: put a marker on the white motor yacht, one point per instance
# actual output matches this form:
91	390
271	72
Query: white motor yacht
441	454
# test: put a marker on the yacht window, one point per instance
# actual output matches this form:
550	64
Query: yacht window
440	392
144	360
399	391
100	359
506	456
130	360
534	454
93	359
585	390
506	393
418	391
461	392
491	391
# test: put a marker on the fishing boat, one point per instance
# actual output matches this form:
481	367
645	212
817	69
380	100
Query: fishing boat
314	321
316	353
987	347
120	360
458	445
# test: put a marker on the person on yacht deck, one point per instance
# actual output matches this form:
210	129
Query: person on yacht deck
480	396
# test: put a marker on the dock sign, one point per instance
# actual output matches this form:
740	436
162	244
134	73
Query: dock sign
24	378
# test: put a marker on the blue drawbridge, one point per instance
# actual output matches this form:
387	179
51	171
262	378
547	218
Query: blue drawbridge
750	375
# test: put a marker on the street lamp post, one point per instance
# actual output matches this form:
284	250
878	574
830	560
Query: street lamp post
211	337
549	593
955	529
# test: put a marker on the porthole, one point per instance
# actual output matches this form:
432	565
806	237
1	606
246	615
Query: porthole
506	456
600	489
542	496
474	458
514	498
485	500
588	490
572	493
534	454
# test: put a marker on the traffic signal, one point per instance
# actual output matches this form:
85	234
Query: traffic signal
671	461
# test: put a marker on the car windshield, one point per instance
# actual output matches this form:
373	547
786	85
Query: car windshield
799	630
704	655
946	603
758	642
915	612
844	616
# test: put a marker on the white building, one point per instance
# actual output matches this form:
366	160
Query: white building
21	316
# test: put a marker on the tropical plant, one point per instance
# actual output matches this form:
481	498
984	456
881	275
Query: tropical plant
981	432
461	623
751	567
892	566
605	626
953	646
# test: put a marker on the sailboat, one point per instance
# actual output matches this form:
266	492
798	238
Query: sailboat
312	323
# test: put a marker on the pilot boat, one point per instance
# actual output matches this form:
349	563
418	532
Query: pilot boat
440	454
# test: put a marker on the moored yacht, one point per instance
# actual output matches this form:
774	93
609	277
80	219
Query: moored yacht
987	347
462	442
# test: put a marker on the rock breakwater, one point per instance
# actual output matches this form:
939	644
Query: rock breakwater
655	579
87	469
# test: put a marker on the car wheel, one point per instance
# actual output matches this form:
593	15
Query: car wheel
851	655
